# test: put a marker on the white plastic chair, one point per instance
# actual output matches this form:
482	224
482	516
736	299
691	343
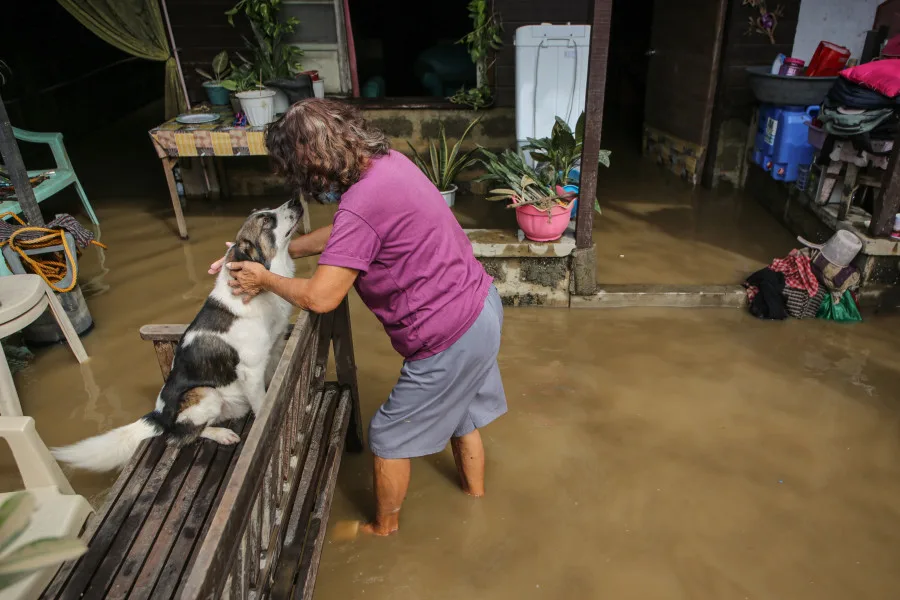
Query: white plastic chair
24	298
60	512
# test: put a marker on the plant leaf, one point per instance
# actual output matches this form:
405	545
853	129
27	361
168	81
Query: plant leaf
579	128
15	514
41	553
604	157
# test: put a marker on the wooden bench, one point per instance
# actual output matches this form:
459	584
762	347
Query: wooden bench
244	521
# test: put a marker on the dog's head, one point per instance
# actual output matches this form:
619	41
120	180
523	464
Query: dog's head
266	233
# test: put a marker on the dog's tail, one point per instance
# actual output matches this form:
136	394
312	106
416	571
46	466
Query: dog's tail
110	450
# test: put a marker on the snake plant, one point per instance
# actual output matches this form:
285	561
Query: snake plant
521	184
444	164
18	563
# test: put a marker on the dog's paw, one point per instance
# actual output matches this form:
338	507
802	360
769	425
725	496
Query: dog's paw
221	435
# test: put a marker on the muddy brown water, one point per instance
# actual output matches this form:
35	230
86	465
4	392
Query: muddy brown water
648	454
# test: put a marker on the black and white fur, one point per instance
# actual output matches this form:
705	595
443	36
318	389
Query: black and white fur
219	369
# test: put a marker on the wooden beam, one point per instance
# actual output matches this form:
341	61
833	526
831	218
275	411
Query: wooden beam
887	202
601	15
9	149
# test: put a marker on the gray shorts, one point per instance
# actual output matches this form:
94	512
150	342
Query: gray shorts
446	395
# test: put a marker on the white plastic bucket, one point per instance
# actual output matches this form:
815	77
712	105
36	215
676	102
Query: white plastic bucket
259	106
281	101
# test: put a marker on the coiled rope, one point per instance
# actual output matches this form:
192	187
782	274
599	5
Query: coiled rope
52	267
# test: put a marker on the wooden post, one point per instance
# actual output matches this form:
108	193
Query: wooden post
887	202
9	149
584	269
596	86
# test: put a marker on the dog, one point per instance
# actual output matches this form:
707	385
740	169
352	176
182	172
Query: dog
220	365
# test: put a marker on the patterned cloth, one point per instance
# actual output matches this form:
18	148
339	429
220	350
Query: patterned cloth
82	236
797	272
800	305
219	138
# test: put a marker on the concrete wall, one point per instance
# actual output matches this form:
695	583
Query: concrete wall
843	22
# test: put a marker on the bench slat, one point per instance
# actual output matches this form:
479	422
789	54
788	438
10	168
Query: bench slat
127	534
303	507
197	523
315	536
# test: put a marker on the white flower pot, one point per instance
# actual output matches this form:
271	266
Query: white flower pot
259	106
450	196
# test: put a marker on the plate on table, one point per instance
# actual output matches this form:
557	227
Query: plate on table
197	118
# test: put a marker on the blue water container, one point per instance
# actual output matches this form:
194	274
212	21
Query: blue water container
782	143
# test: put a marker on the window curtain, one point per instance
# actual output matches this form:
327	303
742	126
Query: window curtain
135	27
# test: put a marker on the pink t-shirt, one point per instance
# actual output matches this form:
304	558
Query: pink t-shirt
417	270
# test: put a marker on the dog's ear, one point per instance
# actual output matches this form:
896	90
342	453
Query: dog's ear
245	250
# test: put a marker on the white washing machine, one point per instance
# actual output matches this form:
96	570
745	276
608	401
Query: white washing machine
551	77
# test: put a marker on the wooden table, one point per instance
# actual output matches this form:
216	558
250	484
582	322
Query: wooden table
860	168
210	142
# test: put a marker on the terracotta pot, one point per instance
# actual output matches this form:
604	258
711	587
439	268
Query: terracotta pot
543	226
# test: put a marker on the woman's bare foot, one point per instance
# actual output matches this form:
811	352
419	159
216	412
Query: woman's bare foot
379	529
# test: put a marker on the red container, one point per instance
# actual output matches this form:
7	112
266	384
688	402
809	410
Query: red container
791	67
829	60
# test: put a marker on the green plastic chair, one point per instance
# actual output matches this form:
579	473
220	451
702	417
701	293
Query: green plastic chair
61	177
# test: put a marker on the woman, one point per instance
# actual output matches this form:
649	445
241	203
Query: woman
395	240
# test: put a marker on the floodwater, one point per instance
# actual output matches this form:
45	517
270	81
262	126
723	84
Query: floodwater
648	454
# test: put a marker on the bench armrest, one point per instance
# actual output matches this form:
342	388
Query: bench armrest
36	465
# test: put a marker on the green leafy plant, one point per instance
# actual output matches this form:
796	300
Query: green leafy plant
474	98
444	164
221	68
273	56
243	78
521	184
482	42
16	564
558	154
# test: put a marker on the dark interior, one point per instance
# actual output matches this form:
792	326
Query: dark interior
407	48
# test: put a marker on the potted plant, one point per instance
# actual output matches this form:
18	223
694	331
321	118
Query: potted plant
221	68
558	157
444	165
272	57
542	213
257	101
482	42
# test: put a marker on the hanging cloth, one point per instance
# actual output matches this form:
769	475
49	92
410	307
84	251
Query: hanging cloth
135	27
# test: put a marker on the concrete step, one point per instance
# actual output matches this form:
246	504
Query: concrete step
663	296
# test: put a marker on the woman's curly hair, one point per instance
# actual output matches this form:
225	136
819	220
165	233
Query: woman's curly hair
322	145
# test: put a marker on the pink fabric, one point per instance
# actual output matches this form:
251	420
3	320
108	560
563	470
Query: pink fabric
417	270
883	76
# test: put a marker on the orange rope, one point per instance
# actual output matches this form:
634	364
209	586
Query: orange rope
52	268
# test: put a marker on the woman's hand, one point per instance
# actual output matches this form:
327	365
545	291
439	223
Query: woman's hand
217	266
247	278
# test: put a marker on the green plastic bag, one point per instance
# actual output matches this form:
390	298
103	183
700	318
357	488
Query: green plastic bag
844	311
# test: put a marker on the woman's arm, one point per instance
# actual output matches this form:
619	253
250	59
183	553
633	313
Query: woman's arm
320	294
310	244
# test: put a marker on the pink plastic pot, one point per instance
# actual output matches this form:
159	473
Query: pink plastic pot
539	226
